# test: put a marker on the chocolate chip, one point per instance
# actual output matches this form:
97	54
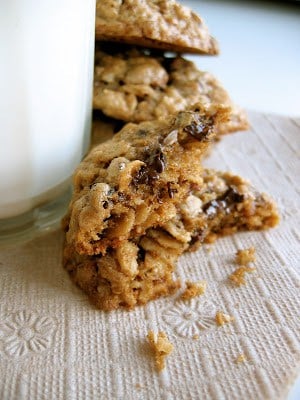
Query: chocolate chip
153	176
105	204
232	196
158	162
155	164
141	176
224	202
199	130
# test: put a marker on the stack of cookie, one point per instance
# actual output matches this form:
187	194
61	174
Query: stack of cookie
137	80
141	198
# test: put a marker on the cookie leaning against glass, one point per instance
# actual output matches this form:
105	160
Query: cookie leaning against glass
163	24
141	269
135	85
133	181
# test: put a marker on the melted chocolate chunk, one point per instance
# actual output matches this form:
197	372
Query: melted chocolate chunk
224	202
141	176
199	130
155	165
153	176
232	196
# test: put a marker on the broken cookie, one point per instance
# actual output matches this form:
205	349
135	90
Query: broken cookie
141	269
133	181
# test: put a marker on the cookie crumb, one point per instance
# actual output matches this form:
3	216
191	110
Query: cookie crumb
193	289
195	337
238	276
161	347
241	358
246	256
222	318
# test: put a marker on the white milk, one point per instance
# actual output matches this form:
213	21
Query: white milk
46	71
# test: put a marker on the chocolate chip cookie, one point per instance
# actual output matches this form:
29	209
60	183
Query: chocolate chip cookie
162	24
135	86
141	269
133	181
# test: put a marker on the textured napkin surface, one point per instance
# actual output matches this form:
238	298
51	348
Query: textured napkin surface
55	345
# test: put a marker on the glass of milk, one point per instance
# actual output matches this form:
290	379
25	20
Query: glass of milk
46	74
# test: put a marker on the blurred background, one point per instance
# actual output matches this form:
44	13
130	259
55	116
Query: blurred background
259	63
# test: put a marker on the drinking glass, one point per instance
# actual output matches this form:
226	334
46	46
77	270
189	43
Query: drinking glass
46	74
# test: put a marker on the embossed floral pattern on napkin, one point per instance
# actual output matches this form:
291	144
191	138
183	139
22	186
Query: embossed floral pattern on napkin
24	332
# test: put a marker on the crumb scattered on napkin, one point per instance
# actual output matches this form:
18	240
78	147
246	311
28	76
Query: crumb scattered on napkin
193	289
241	358
222	318
238	276
246	256
161	347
